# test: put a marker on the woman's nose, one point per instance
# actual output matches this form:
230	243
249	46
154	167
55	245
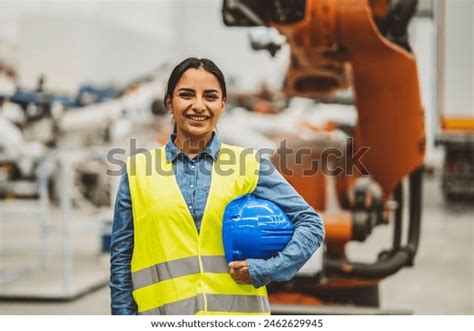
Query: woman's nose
198	104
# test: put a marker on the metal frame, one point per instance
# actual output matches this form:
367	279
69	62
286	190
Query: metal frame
64	285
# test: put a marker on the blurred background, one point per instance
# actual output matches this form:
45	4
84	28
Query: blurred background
79	78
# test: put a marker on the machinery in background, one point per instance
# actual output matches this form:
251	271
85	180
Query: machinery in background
458	168
89	94
455	103
335	45
54	174
36	125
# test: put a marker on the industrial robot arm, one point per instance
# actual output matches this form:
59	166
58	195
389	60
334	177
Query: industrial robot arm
361	44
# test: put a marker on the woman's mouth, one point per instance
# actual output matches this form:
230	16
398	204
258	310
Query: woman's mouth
197	118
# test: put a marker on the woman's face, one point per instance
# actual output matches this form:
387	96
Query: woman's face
197	103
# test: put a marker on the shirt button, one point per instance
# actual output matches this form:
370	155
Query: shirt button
192	167
191	186
190	207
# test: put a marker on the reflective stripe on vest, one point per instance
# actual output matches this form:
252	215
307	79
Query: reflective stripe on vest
175	270
215	303
178	268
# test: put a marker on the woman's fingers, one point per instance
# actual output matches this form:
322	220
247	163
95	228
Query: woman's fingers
237	264
239	271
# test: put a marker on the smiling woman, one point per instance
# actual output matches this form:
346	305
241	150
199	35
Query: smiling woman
167	252
195	96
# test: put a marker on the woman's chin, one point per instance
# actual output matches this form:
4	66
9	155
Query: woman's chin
198	131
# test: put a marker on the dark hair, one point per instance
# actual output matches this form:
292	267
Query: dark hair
195	63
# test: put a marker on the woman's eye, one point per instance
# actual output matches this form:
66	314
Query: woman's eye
185	94
211	97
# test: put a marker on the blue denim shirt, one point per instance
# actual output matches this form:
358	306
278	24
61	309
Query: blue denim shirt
194	186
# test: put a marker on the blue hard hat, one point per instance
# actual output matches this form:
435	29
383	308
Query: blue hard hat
254	228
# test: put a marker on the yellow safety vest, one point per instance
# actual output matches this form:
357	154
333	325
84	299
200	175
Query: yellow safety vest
175	269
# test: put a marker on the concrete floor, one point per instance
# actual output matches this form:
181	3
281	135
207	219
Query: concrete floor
441	282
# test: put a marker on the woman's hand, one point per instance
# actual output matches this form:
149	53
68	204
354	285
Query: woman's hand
239	271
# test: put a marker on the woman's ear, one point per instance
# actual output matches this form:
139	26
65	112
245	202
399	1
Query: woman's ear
168	104
223	103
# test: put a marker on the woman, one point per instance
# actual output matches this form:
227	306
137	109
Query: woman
167	255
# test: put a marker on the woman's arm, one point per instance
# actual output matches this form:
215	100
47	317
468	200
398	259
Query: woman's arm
307	237
121	253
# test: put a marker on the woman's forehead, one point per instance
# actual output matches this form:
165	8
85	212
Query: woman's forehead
198	78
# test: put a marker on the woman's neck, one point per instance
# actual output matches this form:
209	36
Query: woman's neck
192	145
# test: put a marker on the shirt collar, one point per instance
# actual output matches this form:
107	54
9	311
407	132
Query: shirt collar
172	151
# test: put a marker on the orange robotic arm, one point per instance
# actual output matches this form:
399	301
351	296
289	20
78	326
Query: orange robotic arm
359	43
